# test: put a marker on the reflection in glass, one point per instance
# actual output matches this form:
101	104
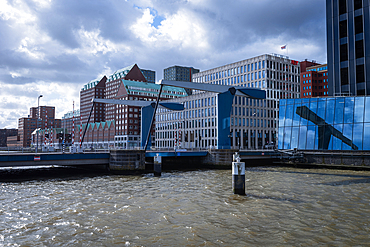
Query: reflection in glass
287	136
357	135
339	109
282	114
330	111
280	138
359	109
367	110
317	127
348	110
310	137
366	140
321	108
295	135
296	117
302	137
289	115
347	132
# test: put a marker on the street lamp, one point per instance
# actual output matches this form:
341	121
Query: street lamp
37	122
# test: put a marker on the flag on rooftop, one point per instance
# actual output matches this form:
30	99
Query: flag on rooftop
283	47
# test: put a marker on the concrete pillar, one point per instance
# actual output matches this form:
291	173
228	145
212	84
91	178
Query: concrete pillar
249	139
157	165
238	173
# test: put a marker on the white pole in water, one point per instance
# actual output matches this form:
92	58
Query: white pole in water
238	171
157	165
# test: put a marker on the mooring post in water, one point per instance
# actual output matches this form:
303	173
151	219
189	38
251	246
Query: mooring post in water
238	172
157	165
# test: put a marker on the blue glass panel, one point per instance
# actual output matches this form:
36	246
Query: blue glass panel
310	137
290	101
330	111
313	108
366	137
296	117
339	109
321	108
304	105
302	137
367	110
348	110
316	138
287	136
281	115
281	138
295	134
347	132
359	109
289	115
358	130
337	143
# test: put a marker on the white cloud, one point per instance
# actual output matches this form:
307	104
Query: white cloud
53	47
181	30
18	13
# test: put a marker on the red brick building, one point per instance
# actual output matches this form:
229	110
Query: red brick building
93	89
27	125
314	81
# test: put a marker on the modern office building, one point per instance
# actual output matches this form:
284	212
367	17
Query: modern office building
328	123
314	81
149	75
348	47
179	73
253	123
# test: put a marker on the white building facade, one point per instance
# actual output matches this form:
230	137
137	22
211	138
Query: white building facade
253	123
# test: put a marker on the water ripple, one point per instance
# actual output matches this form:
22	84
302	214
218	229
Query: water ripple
282	206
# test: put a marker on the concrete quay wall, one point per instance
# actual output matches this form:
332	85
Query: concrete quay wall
344	159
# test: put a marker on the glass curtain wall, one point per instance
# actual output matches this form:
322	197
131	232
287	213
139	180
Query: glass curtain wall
340	123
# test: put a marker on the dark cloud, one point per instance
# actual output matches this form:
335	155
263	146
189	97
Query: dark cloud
65	17
234	30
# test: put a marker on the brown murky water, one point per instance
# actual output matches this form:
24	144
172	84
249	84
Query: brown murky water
283	207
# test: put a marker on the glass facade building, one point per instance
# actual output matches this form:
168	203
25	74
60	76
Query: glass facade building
333	123
348	46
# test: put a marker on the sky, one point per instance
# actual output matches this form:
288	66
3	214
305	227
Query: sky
54	47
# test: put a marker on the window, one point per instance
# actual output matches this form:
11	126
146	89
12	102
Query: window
359	46
343	29
343	52
360	73
342	7
358	4
358	24
344	76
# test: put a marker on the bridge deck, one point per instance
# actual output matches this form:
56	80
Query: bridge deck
45	159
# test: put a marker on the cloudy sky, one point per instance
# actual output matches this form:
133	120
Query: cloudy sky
54	47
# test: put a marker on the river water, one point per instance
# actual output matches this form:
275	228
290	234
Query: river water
282	207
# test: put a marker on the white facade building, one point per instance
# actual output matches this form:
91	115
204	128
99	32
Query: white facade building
253	123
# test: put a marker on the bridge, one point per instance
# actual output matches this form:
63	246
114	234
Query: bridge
133	160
